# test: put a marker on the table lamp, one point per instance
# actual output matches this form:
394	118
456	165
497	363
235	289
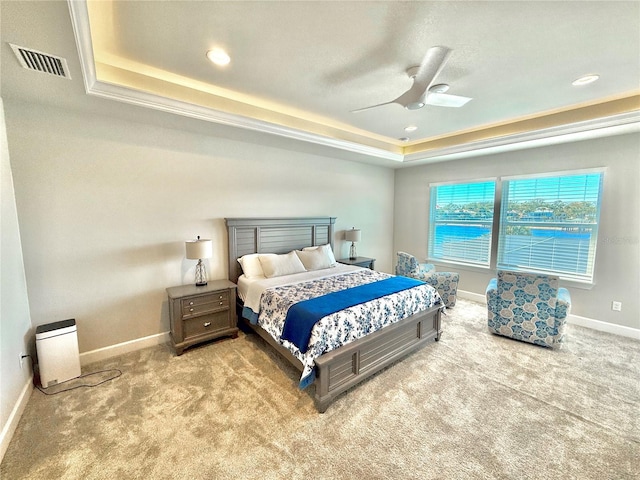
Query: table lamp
197	250
352	236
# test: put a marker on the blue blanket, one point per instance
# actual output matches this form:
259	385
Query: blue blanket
302	316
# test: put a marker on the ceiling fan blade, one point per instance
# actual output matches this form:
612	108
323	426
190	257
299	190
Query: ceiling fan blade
432	63
358	110
412	98
446	100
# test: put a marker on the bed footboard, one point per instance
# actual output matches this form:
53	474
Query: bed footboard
339	370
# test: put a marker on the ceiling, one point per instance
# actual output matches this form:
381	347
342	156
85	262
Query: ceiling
298	69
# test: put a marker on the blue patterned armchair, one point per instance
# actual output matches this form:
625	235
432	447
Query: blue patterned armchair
528	307
446	283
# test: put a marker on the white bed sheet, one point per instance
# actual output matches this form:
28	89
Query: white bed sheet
250	289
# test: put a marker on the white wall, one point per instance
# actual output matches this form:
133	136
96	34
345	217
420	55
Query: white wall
617	269
15	323
106	204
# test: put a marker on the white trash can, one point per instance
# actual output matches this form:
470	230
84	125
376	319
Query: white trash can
58	354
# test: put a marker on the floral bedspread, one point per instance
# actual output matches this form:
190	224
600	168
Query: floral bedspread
345	326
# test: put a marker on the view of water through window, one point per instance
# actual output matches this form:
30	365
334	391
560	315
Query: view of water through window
546	223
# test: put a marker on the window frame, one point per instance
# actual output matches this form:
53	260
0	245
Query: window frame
431	228
593	228
496	227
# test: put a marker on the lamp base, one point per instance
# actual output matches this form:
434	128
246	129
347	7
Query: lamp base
201	274
352	252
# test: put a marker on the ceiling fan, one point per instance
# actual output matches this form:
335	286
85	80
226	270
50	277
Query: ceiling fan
423	91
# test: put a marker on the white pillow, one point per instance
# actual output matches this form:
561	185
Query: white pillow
315	259
277	265
251	266
327	250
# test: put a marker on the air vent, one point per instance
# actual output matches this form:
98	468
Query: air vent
41	62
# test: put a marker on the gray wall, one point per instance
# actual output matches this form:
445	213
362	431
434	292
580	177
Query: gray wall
15	322
106	204
617	269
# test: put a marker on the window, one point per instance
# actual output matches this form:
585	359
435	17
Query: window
461	222
550	224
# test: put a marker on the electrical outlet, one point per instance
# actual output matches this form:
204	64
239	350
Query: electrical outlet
616	306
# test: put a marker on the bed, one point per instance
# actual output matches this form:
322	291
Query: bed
346	364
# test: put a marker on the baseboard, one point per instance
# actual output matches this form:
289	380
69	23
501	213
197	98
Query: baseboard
122	348
572	319
12	422
475	297
604	326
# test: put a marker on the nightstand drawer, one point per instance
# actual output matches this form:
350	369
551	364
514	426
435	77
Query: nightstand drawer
199	313
204	304
206	324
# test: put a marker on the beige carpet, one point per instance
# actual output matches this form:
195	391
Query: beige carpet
472	406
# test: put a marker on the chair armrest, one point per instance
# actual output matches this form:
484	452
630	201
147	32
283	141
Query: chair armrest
443	276
493	285
491	295
563	303
446	283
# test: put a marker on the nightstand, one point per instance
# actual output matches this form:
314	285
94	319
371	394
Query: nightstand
364	262
199	314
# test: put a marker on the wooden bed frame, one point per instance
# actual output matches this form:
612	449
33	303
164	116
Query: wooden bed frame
340	369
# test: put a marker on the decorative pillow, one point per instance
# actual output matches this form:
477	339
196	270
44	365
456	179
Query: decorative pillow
327	250
277	265
251	266
315	259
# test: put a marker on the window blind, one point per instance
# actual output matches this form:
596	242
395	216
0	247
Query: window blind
550	224
461	218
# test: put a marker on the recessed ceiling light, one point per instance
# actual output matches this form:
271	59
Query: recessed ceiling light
410	128
218	56
586	79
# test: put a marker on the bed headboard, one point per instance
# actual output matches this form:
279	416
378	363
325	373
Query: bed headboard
274	235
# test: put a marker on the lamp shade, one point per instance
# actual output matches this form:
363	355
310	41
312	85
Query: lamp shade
352	235
200	248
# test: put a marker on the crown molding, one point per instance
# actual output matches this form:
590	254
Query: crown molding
628	122
82	34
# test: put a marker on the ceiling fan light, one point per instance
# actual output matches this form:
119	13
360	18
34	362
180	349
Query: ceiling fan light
585	80
218	56
414	105
439	88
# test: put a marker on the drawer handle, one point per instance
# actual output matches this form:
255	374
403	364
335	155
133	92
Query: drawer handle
190	303
220	297
207	324
221	303
191	309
